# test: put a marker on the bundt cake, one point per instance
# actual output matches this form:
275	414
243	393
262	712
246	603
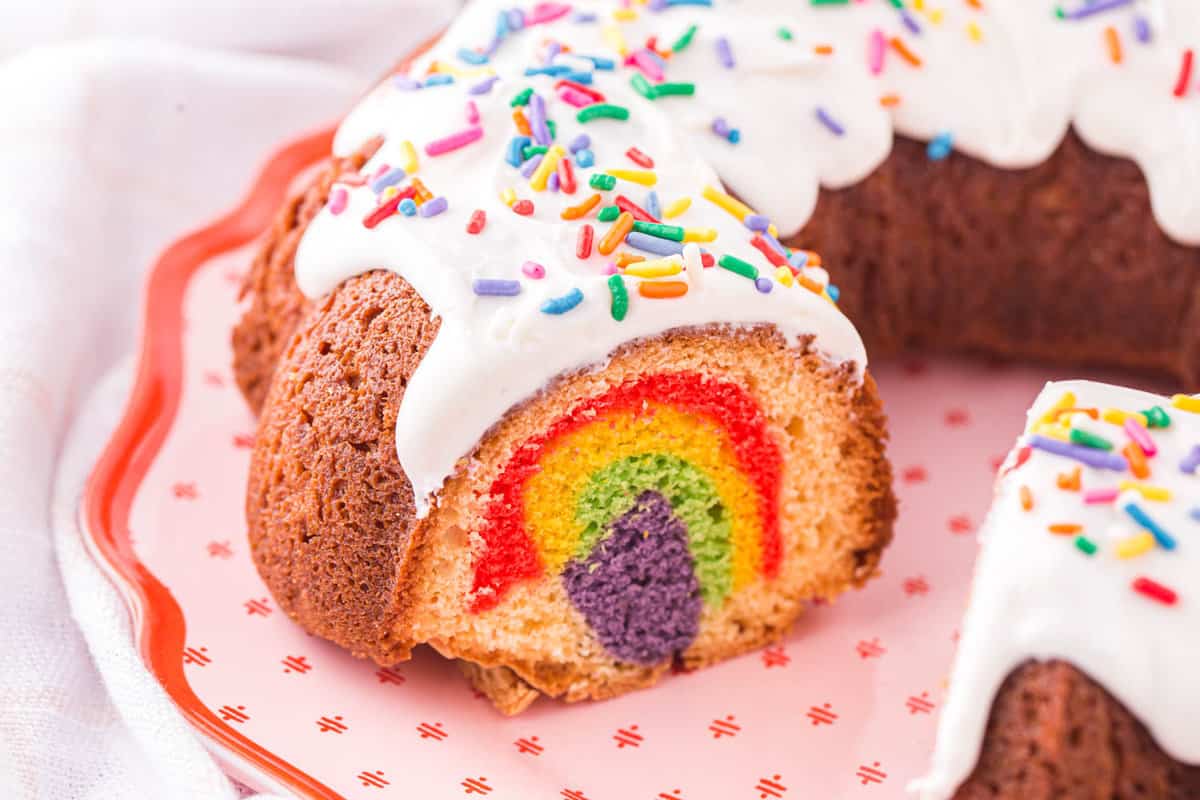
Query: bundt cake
1084	619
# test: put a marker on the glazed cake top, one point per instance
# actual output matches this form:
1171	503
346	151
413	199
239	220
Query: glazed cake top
657	99
1090	554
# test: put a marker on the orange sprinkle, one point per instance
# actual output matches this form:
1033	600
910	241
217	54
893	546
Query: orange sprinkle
1114	44
521	123
908	55
975	4
1066	528
1137	460
662	289
625	259
1026	498
810	284
616	234
813	258
1070	481
889	100
575	212
423	195
823	49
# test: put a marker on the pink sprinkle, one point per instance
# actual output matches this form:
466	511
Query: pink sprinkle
337	203
647	65
1097	496
472	112
353	179
611	269
546	12
382	169
876	47
454	141
532	269
575	97
1141	436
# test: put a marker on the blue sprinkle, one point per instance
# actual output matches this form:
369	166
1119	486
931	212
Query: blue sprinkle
405	83
531	165
494	287
580	142
775	244
1164	539
653	244
653	206
798	259
433	207
829	122
833	292
735	136
501	24
764	285
599	62
585	158
561	305
516	145
440	79
389	178
554	70
471	57
484	86
408	207
582	78
940	146
756	222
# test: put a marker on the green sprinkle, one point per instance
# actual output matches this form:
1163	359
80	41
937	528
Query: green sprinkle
602	181
643	86
666	89
830	2
620	297
602	110
521	98
533	150
552	126
683	41
608	213
785	34
1157	418
735	264
1087	439
1082	544
672	232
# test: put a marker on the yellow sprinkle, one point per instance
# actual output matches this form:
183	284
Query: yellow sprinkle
735	207
389	193
409	154
784	276
625	14
642	176
1186	403
936	15
673	210
537	181
974	32
1053	430
614	38
508	197
1117	416
699	234
1135	546
658	268
1066	401
918	5
461	72
1157	493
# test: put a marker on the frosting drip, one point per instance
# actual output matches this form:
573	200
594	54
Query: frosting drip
1039	593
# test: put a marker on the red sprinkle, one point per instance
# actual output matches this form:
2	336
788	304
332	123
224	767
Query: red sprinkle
566	176
385	210
1155	591
639	213
478	220
772	255
707	260
523	207
579	87
640	158
583	246
1185	73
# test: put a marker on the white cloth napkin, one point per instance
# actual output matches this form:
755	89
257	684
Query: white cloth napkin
109	150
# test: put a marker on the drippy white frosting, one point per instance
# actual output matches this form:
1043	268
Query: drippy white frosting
1035	596
996	97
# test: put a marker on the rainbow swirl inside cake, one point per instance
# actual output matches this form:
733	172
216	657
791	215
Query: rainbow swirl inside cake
650	501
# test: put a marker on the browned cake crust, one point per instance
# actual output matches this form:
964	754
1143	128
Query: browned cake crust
1054	734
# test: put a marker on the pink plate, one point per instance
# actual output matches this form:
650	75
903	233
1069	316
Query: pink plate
844	707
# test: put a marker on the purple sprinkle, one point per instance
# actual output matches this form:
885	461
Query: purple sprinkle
1096	7
756	222
388	178
554	49
484	86
1195	513
829	122
531	165
580	142
764	285
494	287
1093	458
798	259
537	120
910	22
433	207
1191	461
775	244
493	46
516	19
720	127
583	17
405	83
725	53
532	269
552	182
1141	29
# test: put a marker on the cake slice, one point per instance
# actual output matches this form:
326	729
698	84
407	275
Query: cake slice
1076	674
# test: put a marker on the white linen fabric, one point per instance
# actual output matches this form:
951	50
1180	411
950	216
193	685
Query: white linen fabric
110	148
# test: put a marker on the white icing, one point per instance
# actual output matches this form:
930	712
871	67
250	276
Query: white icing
995	97
1035	596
